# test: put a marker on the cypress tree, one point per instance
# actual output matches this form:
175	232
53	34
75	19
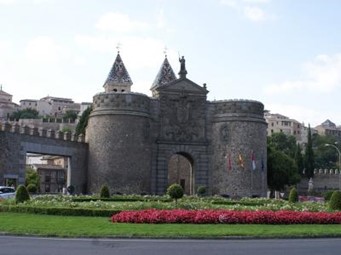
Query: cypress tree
299	159
83	121
309	157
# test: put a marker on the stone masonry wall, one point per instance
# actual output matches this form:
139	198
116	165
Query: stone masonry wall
238	130
118	134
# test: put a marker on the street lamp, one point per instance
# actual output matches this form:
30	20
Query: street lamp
332	145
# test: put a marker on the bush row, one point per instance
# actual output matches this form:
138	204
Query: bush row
59	211
227	217
120	199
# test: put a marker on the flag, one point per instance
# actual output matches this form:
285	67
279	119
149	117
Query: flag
240	160
228	161
262	164
253	159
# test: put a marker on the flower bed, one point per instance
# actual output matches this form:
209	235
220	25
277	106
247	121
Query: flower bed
227	217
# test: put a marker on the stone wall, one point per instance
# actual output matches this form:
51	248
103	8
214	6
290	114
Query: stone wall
16	141
118	134
238	131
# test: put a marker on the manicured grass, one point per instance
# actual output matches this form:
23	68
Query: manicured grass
67	226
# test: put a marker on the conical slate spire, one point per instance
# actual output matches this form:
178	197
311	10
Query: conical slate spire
118	79
165	75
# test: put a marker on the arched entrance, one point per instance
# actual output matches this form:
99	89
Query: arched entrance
180	171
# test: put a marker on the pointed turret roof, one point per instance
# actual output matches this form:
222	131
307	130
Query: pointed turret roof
165	75
118	74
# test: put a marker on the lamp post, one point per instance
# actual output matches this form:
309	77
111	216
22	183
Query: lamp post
332	145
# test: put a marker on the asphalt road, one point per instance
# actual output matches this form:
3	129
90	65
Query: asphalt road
10	245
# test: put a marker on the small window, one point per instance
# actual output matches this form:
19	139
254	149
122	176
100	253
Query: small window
115	90
122	90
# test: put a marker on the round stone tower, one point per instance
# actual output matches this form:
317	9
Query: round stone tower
118	136
238	146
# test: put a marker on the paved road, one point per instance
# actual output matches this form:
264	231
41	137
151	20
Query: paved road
10	245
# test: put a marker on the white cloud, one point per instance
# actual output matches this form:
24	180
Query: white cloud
321	75
44	49
256	1
4	47
230	3
306	114
161	20
254	13
118	22
7	2
249	9
148	49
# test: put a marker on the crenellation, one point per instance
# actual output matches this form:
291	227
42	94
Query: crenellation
51	133
42	132
67	136
34	131
15	128
25	130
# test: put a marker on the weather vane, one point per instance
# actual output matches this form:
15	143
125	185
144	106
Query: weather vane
118	47
165	51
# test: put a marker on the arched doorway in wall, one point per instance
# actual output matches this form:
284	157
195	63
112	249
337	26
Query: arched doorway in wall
180	171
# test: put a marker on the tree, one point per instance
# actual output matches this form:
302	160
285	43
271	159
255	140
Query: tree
293	196
282	170
31	177
21	194
72	115
83	122
104	193
335	201
25	114
309	161
325	157
284	143
299	159
175	191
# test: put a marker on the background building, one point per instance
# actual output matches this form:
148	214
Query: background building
7	107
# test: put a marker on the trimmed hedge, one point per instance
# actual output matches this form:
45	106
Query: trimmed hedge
59	211
121	199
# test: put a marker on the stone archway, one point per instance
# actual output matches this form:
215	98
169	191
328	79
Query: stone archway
180	171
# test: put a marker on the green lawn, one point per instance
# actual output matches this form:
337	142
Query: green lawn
67	226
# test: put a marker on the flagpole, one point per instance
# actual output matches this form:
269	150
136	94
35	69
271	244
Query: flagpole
251	181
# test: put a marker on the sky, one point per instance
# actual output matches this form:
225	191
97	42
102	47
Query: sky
283	53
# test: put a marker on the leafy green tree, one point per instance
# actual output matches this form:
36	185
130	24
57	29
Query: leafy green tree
31	177
335	201
25	114
175	191
21	194
72	115
293	196
104	192
83	122
282	170
325	157
309	160
284	143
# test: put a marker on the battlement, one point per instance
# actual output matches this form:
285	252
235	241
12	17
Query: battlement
238	108
118	103
41	132
326	171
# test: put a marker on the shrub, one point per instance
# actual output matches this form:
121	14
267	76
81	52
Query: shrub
104	192
335	201
293	195
21	194
327	195
175	191
201	191
31	188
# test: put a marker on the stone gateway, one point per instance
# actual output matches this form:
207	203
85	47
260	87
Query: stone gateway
140	144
